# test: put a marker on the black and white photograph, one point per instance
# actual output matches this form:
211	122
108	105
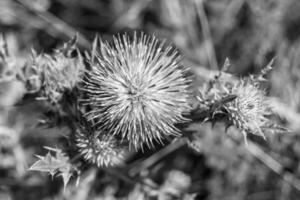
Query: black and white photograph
149	99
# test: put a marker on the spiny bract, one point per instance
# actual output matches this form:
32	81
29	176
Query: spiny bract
137	89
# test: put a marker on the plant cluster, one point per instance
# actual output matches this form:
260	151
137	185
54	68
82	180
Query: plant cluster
128	117
129	95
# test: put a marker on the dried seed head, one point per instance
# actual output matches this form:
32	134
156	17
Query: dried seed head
59	75
53	75
99	148
137	89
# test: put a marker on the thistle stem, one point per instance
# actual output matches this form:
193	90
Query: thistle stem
158	156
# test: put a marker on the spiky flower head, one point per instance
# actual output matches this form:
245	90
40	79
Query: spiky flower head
99	148
241	101
249	109
137	89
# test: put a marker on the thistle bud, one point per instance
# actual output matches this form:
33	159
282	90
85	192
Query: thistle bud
249	110
241	102
100	149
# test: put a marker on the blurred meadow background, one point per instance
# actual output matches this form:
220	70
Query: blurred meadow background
206	32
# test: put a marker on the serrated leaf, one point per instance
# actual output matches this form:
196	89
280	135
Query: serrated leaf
54	164
46	164
226	65
69	46
65	173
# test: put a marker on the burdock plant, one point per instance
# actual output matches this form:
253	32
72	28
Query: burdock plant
137	89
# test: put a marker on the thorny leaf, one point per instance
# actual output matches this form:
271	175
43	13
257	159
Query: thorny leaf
54	164
69	46
261	76
3	47
226	65
94	48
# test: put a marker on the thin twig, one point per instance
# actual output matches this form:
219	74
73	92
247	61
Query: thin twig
148	162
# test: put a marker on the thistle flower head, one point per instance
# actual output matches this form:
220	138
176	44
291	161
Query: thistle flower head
249	109
240	101
137	89
99	148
